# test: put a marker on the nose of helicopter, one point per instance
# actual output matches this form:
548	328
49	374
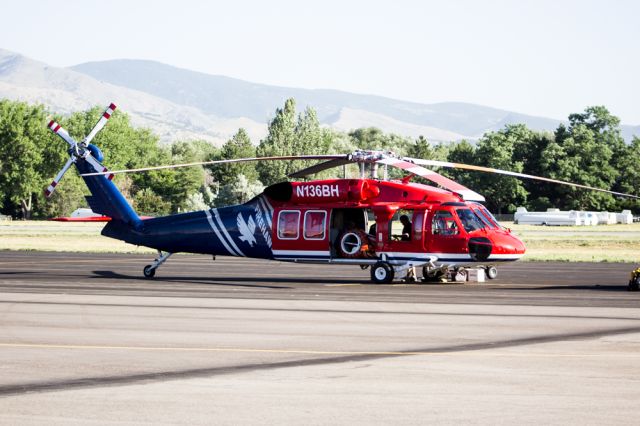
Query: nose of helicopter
507	245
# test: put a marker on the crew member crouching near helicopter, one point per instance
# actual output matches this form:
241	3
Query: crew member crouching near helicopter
634	281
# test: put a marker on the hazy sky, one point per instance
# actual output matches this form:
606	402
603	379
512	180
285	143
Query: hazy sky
546	58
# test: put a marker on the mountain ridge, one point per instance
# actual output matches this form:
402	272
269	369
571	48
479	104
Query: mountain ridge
178	103
227	97
65	91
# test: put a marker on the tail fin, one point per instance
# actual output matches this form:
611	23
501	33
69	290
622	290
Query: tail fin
105	197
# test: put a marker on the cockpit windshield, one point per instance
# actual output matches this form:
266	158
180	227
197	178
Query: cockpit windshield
483	212
470	221
485	221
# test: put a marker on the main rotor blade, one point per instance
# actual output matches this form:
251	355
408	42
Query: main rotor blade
58	130
56	180
204	163
444	182
337	162
447	164
100	124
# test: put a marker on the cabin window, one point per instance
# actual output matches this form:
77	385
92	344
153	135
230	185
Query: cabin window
288	224
314	224
443	223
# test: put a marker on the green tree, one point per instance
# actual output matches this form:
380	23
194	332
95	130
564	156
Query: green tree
495	149
239	146
528	146
238	192
23	135
503	193
421	149
606	130
375	139
580	154
629	180
311	139
147	202
186	180
280	141
291	135
460	152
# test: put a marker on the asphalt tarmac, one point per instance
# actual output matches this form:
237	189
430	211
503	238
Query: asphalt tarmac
85	339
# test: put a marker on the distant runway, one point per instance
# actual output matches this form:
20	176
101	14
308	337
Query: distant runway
84	337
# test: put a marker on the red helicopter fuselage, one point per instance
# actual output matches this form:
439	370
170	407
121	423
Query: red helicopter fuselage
310	220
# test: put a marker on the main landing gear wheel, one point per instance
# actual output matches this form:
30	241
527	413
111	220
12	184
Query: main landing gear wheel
492	272
382	273
149	271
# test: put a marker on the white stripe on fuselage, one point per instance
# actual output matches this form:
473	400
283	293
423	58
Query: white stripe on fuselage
449	256
268	210
226	234
215	229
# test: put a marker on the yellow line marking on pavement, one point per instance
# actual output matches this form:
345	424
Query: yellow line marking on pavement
309	352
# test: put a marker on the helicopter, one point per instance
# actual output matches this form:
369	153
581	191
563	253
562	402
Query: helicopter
391	226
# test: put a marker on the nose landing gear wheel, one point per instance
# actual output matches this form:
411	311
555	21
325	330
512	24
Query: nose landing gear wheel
382	273
149	271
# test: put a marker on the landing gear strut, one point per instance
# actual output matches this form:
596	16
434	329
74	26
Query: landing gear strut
150	270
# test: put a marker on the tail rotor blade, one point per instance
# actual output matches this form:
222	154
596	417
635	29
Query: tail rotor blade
56	180
99	168
461	166
100	124
58	130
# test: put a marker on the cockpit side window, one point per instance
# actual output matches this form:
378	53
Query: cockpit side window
470	222
443	223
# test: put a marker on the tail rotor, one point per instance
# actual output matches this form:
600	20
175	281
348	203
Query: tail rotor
80	150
